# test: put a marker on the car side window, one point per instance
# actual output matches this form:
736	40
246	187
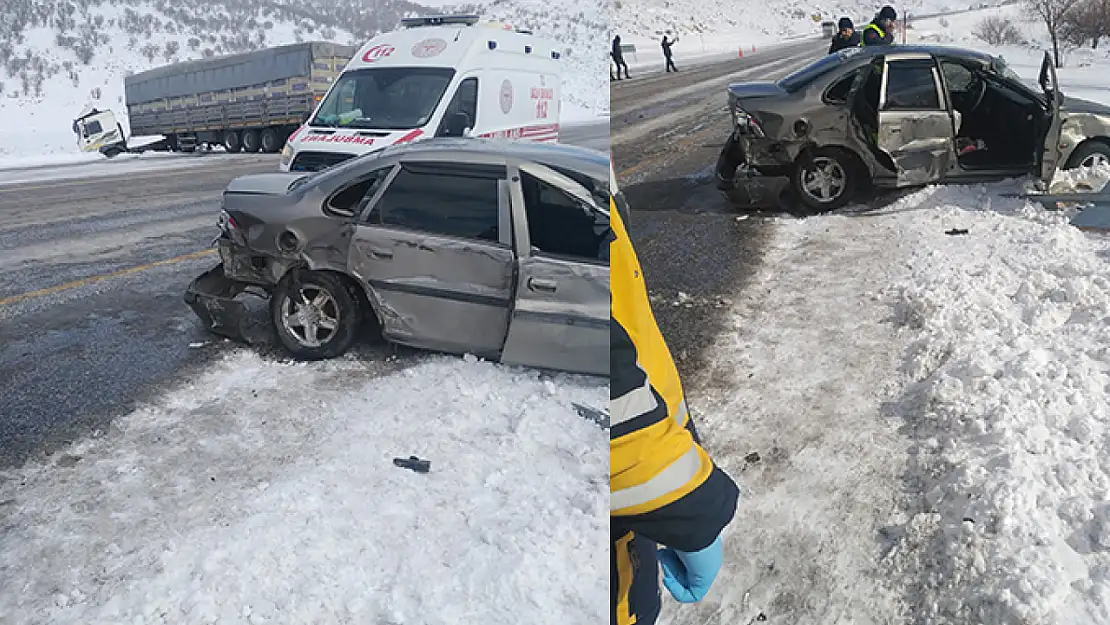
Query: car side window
445	199
561	225
349	201
465	102
839	91
911	86
958	77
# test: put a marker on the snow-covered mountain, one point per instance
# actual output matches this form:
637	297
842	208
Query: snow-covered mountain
56	56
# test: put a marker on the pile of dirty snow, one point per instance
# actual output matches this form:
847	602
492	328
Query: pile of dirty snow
263	492
918	418
1011	418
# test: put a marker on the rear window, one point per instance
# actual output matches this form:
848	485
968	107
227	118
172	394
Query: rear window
805	76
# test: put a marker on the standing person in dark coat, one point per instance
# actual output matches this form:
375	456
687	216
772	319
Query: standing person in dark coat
846	38
879	31
667	52
618	58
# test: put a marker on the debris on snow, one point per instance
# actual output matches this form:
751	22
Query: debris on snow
296	521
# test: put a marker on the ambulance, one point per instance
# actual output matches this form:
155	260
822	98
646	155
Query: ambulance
442	76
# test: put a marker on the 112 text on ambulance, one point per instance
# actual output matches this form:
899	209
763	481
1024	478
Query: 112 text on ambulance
542	96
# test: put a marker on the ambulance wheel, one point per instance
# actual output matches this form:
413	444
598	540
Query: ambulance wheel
271	142
251	142
231	142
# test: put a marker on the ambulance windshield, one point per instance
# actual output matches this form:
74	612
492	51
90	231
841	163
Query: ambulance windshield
384	98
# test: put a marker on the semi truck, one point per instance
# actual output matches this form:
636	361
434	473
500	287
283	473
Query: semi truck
244	102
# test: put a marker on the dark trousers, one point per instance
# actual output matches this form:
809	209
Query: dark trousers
635	558
670	64
619	62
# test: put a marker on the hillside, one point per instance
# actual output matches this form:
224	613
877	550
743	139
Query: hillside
56	56
762	21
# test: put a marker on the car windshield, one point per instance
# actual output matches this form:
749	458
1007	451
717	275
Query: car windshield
384	98
815	70
1000	67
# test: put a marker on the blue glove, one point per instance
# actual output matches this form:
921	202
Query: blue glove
688	576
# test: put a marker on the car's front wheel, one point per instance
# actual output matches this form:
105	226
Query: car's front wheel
1090	155
824	179
315	315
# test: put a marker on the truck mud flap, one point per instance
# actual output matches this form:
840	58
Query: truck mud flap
211	296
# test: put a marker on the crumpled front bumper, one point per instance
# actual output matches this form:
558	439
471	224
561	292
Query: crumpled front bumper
211	296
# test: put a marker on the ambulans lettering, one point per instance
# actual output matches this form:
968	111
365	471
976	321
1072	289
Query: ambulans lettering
506	96
338	139
379	51
428	48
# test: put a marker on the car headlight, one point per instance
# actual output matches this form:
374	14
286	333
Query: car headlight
286	155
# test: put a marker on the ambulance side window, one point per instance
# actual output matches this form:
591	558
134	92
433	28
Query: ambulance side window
465	102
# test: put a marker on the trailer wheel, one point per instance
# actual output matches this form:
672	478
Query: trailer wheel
271	142
251	142
231	141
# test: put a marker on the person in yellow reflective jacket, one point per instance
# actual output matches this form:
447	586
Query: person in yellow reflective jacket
668	501
880	31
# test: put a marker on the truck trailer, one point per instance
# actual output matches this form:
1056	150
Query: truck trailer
245	102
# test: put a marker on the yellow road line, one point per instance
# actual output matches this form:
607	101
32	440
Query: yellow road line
15	299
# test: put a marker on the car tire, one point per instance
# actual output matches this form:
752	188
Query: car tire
836	189
1089	153
251	142
328	298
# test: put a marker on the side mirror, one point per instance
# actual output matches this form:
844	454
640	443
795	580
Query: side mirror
457	124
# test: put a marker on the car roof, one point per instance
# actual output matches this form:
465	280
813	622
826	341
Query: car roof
583	160
935	50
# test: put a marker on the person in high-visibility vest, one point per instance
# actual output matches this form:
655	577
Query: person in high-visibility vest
669	501
880	31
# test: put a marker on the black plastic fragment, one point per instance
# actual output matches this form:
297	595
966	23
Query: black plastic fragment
956	231
413	463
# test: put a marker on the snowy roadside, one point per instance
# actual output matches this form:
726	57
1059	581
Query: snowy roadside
919	421
265	492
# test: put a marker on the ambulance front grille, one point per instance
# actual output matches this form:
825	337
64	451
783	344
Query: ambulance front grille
315	161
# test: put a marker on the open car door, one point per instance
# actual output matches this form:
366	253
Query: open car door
560	317
916	128
1050	155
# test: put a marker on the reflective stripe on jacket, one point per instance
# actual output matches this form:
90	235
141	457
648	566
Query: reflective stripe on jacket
664	487
882	34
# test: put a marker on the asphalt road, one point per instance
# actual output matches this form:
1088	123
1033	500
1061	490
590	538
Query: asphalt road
698	251
92	274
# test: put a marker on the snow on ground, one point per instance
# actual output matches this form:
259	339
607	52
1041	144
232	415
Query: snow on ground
265	492
1085	71
943	456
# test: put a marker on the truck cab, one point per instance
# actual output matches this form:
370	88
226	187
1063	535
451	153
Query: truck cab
98	131
442	76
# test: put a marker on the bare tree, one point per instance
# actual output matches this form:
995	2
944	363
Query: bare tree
998	31
1052	14
1087	23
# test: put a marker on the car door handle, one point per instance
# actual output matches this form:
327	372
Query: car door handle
380	253
542	285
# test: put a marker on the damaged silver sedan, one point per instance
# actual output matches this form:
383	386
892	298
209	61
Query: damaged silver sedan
905	116
490	248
